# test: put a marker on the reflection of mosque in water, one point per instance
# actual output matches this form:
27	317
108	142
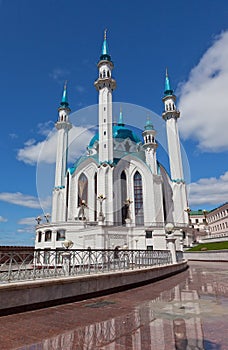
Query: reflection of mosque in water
209	285
171	321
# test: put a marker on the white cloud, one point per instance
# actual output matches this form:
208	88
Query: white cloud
209	191
203	99
20	199
13	136
80	88
59	74
2	219
30	142
28	225
45	151
30	221
45	128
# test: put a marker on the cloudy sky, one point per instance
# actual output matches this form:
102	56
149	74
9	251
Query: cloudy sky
45	42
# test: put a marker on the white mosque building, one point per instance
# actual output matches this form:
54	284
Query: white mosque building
119	194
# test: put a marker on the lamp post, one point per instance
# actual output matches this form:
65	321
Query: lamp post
169	228
101	217
67	244
188	211
190	226
47	217
82	211
127	211
125	248
38	220
205	212
181	240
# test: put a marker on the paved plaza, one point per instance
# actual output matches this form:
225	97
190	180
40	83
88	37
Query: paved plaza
186	311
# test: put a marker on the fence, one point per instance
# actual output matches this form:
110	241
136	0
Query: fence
15	266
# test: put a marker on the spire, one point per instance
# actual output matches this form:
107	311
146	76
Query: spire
64	103
104	53
168	89
149	125
120	121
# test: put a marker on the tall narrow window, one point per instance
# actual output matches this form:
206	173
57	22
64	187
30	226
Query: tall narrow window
82	189
67	195
48	236
138	197
61	235
123	197
95	197
39	236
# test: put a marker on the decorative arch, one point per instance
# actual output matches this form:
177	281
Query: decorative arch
123	180
138	198
82	189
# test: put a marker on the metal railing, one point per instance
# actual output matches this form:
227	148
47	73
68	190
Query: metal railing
59	263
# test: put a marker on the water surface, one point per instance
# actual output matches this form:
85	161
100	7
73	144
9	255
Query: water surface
186	312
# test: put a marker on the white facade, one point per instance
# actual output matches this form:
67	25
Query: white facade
118	194
217	220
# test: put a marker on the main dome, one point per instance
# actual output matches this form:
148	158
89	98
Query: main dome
119	131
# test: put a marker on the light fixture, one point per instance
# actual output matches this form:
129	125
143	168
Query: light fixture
169	227
67	244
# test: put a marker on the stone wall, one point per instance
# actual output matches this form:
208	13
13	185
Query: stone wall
29	295
211	255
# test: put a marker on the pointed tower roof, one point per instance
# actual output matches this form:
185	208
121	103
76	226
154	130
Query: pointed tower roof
168	89
64	103
105	52
120	121
149	125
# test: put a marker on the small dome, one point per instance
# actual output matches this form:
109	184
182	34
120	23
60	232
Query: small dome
119	132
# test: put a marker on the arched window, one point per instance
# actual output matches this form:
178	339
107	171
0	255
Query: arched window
82	189
95	197
61	235
123	196
48	236
39	236
138	198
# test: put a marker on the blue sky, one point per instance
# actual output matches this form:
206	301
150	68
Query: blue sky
45	42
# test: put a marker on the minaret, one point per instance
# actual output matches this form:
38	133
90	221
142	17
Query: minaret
105	84
170	115
150	145
120	120
63	126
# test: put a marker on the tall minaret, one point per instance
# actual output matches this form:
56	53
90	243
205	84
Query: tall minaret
63	126
150	145
170	115
105	84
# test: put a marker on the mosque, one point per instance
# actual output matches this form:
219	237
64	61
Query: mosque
118	194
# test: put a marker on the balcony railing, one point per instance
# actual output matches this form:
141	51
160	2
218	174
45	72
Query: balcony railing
62	262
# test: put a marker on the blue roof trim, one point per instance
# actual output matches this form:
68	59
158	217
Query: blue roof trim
81	160
120	131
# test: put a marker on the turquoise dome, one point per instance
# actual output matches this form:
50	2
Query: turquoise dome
119	131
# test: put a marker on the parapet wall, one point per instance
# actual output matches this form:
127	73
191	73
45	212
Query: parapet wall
210	255
30	295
